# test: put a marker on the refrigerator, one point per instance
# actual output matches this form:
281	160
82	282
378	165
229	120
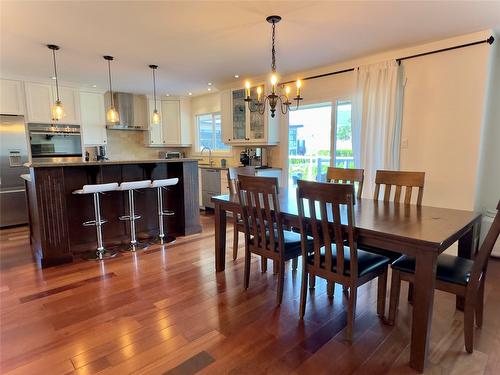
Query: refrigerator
13	154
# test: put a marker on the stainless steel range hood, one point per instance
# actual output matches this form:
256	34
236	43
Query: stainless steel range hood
132	110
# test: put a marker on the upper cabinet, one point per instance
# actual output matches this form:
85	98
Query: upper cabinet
40	97
11	97
175	128
242	127
93	116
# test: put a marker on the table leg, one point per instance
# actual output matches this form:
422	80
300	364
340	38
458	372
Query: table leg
220	238
465	250
425	279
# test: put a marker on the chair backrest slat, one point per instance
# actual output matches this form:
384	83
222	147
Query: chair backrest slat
399	179
481	261
232	176
260	212
328	228
347	176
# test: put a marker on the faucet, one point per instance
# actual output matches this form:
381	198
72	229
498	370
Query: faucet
210	160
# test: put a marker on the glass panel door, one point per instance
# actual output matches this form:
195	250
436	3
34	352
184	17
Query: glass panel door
309	142
256	120
239	114
343	136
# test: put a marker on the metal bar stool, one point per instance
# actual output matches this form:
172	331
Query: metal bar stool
101	252
130	186
159	185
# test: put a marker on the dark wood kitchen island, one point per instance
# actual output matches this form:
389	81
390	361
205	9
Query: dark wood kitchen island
56	215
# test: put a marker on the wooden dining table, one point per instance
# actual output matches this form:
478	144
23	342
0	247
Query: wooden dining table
419	231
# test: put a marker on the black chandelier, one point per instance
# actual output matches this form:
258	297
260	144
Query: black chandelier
274	98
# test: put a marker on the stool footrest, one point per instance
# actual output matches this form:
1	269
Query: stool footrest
168	213
92	223
129	218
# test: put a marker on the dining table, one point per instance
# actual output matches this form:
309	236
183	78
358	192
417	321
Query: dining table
422	232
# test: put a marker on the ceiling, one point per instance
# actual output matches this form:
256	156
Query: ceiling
209	41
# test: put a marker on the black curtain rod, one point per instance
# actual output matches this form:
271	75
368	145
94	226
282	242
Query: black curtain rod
490	40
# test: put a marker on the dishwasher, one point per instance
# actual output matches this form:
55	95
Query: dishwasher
210	186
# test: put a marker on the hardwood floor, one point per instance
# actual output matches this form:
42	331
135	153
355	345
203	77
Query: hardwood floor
166	311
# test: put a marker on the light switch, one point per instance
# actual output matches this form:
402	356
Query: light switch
404	143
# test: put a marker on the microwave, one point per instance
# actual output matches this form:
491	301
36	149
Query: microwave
170	155
49	141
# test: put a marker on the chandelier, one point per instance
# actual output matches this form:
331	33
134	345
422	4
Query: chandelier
274	98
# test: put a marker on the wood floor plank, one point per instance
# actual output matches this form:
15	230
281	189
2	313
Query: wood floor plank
166	310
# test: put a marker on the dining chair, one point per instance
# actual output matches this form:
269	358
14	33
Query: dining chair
401	181
460	276
263	226
347	176
333	254
232	178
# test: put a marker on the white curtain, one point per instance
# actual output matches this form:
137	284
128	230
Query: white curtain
377	111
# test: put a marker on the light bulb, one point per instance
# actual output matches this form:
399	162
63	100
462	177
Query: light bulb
58	111
247	85
112	115
155	118
299	83
274	79
287	90
259	92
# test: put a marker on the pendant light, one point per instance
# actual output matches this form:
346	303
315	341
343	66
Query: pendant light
155	118
112	114
57	109
274	98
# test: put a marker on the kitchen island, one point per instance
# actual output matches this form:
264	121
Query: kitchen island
56	214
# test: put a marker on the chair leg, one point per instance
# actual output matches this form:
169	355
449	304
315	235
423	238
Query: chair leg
351	312
312	281
469	326
295	263
235	239
345	289
276	267
330	289
263	263
381	293
480	305
394	300
410	293
281	282
247	267
303	294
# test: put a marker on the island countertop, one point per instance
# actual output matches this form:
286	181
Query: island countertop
82	163
56	214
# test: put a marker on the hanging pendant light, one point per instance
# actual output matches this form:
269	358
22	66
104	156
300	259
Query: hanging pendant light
57	110
112	114
155	118
274	98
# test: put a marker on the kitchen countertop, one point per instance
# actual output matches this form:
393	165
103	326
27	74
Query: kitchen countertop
107	162
206	166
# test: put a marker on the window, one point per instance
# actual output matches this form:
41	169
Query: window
319	135
344	157
210	133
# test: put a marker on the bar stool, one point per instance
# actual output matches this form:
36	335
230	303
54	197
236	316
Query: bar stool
101	253
159	185
130	186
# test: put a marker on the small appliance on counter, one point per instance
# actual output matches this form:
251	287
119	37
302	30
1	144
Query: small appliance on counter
100	153
170	155
255	157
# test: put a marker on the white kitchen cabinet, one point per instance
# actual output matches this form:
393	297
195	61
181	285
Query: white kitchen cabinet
40	98
93	117
11	97
175	127
240	127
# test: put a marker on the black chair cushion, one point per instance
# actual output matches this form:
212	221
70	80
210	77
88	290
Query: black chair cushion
367	262
450	268
292	244
392	255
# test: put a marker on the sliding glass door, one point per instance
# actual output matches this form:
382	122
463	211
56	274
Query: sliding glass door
319	136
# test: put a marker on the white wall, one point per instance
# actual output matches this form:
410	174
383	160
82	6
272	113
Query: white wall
442	116
489	173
